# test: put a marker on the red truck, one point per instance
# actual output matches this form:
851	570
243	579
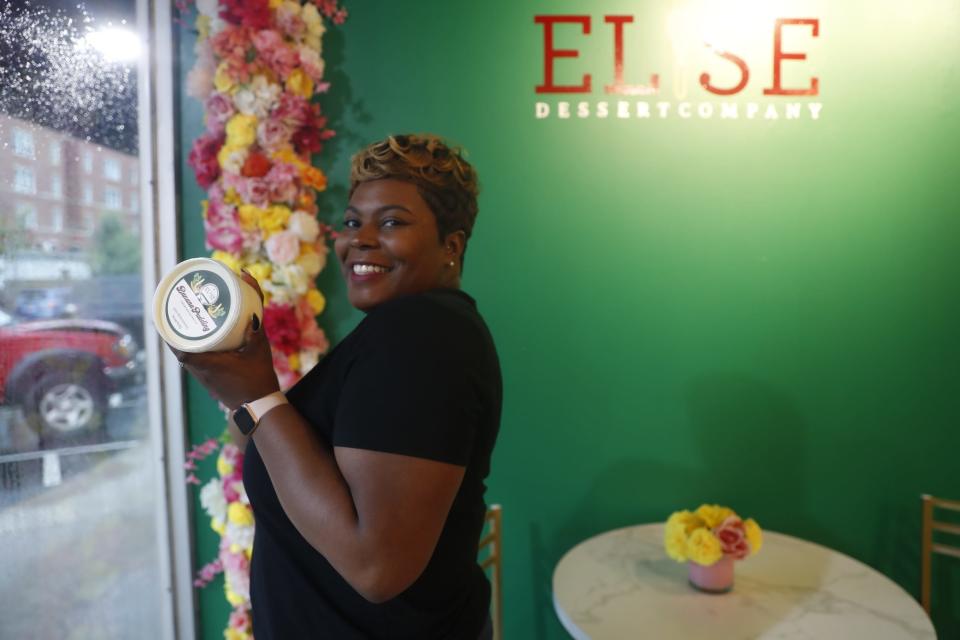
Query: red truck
63	372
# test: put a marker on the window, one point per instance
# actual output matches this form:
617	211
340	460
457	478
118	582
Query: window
111	198
54	153
23	143
134	175
134	201
27	215
111	169
56	218
23	180
80	472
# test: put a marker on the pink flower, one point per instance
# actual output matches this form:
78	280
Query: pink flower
273	133
282	327
219	109
283	247
311	62
293	110
289	20
200	81
733	538
239	620
274	52
256	191
282	182
254	14
285	375
311	335
203	158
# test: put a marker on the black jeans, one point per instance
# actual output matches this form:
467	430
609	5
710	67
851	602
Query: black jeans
487	633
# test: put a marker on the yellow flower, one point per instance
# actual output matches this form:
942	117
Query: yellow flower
288	155
233	634
675	543
260	271
231	158
218	526
754	535
704	548
294	360
232	197
235	548
299	83
241	130
714	514
240	514
224	468
232	596
275	3
204	205
688	520
249	216
274	217
228	259
203	28
222	80
316	301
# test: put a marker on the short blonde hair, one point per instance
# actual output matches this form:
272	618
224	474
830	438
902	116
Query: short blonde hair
443	177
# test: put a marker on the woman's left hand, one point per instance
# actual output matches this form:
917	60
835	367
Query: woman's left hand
235	377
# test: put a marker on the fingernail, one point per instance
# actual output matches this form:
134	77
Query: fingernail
256	322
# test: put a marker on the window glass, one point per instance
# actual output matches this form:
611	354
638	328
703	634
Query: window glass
23	143
23	180
54	151
78	479
111	198
111	169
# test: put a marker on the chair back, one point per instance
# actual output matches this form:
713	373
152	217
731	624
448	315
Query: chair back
490	545
929	546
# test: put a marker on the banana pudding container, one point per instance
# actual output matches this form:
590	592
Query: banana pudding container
202	305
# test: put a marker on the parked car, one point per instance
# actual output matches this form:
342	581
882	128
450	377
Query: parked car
45	304
63	372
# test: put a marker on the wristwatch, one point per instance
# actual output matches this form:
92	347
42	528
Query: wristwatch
248	416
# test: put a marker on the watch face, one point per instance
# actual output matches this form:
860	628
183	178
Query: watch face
244	421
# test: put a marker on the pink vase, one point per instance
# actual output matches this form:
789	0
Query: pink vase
717	578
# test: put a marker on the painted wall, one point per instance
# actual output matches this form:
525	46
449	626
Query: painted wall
762	313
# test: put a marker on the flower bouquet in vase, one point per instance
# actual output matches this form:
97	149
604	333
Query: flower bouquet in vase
710	539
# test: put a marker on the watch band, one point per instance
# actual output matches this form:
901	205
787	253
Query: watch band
259	408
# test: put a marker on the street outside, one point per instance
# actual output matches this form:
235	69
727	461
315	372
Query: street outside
78	540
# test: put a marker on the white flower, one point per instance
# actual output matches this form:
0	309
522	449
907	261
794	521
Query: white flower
241	535
304	225
208	8
211	497
292	277
308	359
257	98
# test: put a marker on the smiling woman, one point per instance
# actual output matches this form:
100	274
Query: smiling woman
367	478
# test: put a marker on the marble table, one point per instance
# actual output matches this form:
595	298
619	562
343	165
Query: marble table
620	585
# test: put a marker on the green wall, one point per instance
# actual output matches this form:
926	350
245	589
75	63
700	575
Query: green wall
759	313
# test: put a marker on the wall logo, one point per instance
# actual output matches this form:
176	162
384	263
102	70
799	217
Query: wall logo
704	47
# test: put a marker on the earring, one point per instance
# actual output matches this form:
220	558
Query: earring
450	264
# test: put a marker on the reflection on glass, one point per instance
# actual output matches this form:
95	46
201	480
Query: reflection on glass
77	514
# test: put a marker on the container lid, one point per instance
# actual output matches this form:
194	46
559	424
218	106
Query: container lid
196	305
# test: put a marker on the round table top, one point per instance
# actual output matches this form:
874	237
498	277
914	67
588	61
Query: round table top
621	584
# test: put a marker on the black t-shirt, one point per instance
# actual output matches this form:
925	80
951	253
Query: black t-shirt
419	376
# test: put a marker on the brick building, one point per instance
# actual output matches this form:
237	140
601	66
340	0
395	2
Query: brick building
54	187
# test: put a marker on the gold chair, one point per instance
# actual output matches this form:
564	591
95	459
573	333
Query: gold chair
929	547
491	543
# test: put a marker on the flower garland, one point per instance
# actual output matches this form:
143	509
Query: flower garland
258	65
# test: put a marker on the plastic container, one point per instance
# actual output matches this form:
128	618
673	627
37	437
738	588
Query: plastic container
202	305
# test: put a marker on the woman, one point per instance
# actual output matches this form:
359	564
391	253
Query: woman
366	478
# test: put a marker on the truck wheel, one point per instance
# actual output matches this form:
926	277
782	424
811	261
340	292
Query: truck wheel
66	408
